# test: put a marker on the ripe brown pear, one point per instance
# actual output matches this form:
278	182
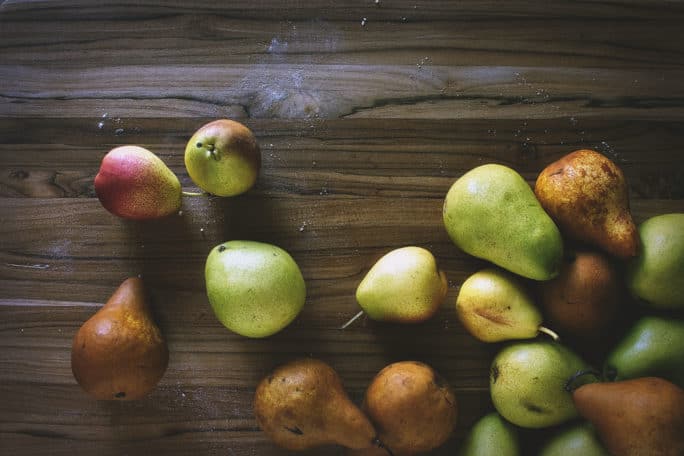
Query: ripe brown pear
303	404
583	301
413	408
639	417
119	353
585	193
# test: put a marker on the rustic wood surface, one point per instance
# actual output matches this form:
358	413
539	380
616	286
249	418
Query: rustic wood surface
365	112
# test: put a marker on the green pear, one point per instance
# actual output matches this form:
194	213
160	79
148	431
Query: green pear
491	436
577	439
654	346
255	289
494	306
656	275
491	213
527	383
223	158
403	286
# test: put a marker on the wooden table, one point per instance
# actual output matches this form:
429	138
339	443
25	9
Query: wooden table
365	112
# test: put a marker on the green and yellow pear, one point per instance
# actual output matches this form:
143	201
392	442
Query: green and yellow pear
575	440
491	436
492	213
223	158
404	286
656	275
654	346
494	306
527	383
255	289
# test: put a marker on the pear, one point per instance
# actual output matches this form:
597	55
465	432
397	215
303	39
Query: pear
494	306
255	289
413	408
302	404
119	353
584	300
527	383
491	213
654	346
643	416
404	286
586	194
577	439
657	274
491	436
134	183
223	158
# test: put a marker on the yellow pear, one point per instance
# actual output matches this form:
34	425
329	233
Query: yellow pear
493	306
404	286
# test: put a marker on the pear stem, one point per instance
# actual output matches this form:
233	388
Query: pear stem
377	442
184	193
548	332
352	320
569	386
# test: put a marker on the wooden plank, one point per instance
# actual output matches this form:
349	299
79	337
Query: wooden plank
348	157
333	91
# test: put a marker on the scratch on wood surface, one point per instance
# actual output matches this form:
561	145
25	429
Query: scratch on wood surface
28	266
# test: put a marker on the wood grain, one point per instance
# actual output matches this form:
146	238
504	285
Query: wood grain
365	114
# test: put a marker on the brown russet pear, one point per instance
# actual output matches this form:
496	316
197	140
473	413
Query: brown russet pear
302	404
583	301
638	417
413	408
586	194
119	353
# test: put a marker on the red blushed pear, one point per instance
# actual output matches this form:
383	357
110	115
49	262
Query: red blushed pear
586	195
134	183
119	353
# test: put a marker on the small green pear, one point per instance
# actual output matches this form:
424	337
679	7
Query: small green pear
577	439
223	158
254	288
404	286
656	275
527	383
493	306
654	346
491	213
491	436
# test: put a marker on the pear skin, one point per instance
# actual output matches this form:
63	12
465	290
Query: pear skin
493	306
657	275
119	353
134	183
491	435
585	300
255	289
303	404
653	346
223	158
586	194
527	383
412	407
404	286
643	416
576	439
491	213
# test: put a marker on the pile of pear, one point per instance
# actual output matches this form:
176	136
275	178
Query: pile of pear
587	307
